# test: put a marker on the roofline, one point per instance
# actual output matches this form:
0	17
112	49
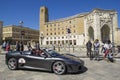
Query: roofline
68	18
19	26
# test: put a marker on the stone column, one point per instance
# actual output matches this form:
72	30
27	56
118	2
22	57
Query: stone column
97	30
86	30
115	26
1	31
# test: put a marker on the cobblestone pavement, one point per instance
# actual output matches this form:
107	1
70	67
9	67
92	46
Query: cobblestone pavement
95	70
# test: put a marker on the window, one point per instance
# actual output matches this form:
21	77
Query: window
74	41
47	42
51	25
50	42
74	26
63	42
58	32
74	31
54	42
74	36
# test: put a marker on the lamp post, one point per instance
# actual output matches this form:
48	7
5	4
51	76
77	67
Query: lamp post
69	31
21	32
41	37
111	17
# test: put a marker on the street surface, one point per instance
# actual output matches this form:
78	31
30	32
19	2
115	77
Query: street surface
95	70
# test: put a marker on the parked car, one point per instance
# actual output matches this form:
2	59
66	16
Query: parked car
44	59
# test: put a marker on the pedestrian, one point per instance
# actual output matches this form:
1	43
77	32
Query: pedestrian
7	47
110	56
103	48
29	47
17	46
21	46
37	46
96	49
53	46
89	51
107	46
4	45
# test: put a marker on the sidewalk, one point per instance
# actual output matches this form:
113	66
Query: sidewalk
83	55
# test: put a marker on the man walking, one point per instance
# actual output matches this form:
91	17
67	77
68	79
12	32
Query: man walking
96	49
89	47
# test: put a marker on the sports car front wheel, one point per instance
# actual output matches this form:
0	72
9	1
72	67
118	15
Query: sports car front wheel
12	63
59	67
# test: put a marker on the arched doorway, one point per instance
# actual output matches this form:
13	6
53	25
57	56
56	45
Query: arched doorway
91	33
105	33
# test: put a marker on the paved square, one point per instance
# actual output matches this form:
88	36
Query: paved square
95	70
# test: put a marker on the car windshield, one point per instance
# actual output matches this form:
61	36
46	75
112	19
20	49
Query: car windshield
53	53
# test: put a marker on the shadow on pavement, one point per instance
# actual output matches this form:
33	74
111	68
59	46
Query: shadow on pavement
84	69
36	70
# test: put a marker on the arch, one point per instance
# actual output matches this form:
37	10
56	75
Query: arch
105	33
91	33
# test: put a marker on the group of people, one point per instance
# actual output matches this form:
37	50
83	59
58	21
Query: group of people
19	46
106	50
6	46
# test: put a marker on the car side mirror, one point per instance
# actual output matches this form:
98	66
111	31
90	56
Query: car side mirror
43	55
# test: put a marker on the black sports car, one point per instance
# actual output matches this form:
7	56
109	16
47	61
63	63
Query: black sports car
45	59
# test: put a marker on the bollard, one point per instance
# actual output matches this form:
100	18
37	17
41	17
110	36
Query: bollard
73	48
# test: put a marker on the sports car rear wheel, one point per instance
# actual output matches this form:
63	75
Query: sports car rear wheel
12	63
59	67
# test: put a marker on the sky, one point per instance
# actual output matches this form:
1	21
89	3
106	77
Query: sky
14	11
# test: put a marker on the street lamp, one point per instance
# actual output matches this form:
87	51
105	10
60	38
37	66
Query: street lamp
21	32
111	17
69	32
41	37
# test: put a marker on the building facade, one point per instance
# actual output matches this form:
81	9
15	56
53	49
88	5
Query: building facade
1	28
15	33
97	24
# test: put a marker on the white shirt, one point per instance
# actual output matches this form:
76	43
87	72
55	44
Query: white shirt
108	46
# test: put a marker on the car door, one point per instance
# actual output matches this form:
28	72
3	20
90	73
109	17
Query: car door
43	63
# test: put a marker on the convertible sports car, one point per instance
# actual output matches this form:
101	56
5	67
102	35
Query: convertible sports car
45	59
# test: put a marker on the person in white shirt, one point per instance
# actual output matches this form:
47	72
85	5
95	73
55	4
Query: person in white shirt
108	46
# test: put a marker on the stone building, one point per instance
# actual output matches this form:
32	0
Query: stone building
97	24
15	33
1	27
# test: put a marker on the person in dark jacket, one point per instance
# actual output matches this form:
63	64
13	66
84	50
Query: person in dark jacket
29	47
89	47
18	46
37	46
21	46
